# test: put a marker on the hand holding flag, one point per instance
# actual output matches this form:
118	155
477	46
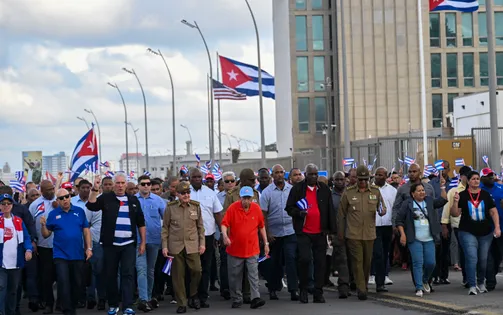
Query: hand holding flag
302	204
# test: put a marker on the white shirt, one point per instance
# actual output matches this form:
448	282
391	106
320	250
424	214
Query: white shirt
388	194
209	206
9	245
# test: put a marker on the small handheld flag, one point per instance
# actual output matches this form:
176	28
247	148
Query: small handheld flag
460	162
302	204
409	161
40	210
348	161
485	158
167	266
263	258
147	173
439	165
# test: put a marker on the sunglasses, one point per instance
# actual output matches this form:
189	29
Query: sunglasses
6	203
146	184
64	197
229	181
183	193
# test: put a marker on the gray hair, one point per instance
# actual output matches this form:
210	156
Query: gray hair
310	165
339	173
229	173
382	168
120	175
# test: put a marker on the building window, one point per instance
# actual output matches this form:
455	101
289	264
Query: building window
320	116
300	33
303	104
436	71
468	70
467	28
484	70
317	4
498	27
300	4
319	73
436	109
317	21
482	29
434	30
499	68
450	101
302	75
450	29
452	70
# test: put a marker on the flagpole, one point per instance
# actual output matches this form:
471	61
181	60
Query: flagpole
493	106
219	121
423	87
261	103
347	139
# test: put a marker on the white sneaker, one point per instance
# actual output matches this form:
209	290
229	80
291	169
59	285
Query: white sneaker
426	287
284	283
372	280
419	293
472	291
482	288
388	281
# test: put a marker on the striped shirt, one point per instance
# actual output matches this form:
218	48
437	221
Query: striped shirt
123	233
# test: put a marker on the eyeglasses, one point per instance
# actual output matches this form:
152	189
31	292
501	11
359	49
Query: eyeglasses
6	203
229	181
64	197
146	184
183	193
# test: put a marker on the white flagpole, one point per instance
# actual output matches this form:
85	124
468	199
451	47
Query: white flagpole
423	83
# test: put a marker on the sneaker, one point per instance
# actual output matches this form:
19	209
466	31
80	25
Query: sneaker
144	307
173	301
372	280
426	287
388	281
283	281
419	293
482	288
256	303
472	291
129	311
113	311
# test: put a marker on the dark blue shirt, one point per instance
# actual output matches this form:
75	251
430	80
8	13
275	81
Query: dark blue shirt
497	193
68	232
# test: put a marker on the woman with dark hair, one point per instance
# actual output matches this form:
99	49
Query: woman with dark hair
419	227
479	223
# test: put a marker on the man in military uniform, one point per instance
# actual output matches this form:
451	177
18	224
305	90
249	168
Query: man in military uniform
183	239
356	220
246	178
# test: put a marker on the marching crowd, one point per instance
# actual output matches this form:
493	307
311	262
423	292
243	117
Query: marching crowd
121	242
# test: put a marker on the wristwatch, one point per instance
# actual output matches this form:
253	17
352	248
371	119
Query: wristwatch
267	243
90	249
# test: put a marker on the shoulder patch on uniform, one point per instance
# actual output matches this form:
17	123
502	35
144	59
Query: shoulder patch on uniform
194	202
172	203
351	187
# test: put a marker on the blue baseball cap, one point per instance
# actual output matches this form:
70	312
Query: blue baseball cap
246	191
6	196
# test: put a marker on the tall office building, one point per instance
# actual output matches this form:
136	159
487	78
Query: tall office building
383	72
54	163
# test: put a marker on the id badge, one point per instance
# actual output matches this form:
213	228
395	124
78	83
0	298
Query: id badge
424	222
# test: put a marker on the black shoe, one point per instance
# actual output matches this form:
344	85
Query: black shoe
48	310
343	295
33	306
294	296
236	304
91	304
226	294
154	303
181	309
318	298
362	296
101	305
204	304
213	288
444	281
303	297
273	295
195	303
436	281
144	307
381	288
247	300
256	303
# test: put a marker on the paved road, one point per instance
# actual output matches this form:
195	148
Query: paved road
448	299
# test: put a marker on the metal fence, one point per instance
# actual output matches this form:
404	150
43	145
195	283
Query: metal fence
482	145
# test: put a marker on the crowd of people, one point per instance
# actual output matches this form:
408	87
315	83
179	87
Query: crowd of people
136	243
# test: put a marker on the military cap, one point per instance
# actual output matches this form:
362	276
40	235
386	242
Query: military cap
182	186
362	172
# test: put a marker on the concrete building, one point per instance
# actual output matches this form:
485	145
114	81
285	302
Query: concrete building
54	163
382	51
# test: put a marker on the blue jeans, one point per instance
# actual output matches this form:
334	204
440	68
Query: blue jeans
476	249
283	252
145	266
97	279
9	281
423	261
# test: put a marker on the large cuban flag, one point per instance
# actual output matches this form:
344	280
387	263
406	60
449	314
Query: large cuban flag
85	155
243	78
454	5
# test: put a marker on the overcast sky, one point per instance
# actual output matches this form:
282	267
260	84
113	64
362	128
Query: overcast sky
57	56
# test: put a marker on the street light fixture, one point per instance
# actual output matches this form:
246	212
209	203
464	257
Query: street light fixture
145	110
137	153
90	111
125	125
159	53
84	120
210	114
190	136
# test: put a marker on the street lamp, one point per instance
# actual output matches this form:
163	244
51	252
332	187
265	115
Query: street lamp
190	136
158	53
136	138
125	125
90	111
84	120
144	108
212	149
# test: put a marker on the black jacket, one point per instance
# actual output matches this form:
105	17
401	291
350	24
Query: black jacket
109	203
22	211
325	205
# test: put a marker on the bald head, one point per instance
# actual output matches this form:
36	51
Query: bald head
278	175
63	198
414	172
47	189
61	192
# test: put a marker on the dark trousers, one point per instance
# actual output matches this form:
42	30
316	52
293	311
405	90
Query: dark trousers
9	282
340	263
224	276
443	257
206	258
214	269
312	246
461	255
283	256
126	257
380	252
161	280
493	262
69	273
30	274
48	275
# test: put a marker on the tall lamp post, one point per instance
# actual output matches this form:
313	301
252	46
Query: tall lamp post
190	136
84	120
145	110
212	148
125	125
90	111
159	53
136	138
261	102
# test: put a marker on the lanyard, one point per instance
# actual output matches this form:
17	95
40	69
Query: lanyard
475	202
419	206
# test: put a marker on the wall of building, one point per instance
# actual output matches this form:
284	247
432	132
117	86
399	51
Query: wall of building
472	111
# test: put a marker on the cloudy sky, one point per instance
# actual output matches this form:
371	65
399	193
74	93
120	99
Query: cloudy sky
57	56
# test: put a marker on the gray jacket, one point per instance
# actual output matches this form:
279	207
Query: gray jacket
403	193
